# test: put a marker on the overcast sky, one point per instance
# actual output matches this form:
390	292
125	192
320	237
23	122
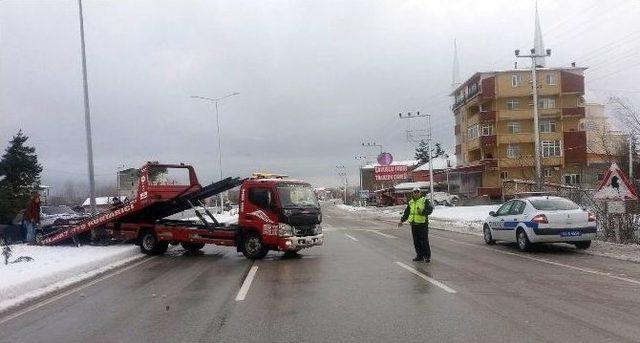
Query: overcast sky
316	78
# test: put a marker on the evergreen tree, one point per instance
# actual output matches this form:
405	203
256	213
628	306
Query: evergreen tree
19	176
422	154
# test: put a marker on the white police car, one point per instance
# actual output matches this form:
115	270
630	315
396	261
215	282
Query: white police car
540	219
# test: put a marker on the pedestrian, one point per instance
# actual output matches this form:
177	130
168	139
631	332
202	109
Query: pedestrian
32	217
417	213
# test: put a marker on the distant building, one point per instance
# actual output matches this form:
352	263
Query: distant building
494	131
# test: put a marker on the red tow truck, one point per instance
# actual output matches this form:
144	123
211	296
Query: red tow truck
275	213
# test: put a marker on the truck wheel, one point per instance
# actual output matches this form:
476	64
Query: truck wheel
150	245
582	244
253	248
192	247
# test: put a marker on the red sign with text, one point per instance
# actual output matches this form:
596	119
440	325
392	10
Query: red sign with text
391	173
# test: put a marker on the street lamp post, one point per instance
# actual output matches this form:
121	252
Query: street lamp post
536	128
341	170
215	101
87	116
428	116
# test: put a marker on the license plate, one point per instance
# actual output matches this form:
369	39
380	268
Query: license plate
570	233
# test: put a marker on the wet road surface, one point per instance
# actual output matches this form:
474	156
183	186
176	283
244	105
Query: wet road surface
360	286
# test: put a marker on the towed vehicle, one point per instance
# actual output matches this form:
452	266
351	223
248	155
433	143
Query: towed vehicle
540	219
275	213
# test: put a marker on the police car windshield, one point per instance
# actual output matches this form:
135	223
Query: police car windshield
297	195
554	204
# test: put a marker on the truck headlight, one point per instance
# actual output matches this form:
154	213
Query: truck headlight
285	230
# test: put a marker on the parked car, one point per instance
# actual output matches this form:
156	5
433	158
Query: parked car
14	231
51	218
444	198
540	219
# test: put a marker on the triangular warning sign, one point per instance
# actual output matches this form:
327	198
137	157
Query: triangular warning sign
615	186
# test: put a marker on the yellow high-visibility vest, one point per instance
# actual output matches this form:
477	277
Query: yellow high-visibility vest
416	210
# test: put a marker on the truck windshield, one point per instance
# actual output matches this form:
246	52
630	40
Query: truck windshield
297	195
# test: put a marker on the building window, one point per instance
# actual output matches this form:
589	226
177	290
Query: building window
472	132
551	79
512	104
514	127
513	151
546	172
572	179
588	126
547	126
551	148
545	103
487	130
516	80
503	175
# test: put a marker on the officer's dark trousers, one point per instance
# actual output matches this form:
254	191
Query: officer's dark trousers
420	234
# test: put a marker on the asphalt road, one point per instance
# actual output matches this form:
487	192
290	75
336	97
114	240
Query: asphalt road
361	286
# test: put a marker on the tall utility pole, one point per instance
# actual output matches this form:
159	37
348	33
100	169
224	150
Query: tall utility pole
87	116
428	116
216	100
372	144
631	159
343	173
536	128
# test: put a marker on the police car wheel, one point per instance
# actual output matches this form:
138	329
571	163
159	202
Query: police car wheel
523	241
582	244
486	232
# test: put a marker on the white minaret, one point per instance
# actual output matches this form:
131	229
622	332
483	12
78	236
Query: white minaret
538	45
455	73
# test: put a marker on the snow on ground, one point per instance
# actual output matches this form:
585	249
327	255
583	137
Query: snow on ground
469	220
56	267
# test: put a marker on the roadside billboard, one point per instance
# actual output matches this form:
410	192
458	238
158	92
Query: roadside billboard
391	173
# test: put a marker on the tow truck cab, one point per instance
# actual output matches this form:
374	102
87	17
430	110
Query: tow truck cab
278	214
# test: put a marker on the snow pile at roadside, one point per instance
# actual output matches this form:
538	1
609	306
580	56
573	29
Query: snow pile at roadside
56	267
467	219
627	252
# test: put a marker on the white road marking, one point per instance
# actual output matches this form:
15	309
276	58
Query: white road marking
242	293
71	291
381	234
353	238
431	280
542	260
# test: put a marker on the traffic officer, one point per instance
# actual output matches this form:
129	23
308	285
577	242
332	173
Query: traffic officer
417	212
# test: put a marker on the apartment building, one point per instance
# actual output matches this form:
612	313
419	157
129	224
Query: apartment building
494	129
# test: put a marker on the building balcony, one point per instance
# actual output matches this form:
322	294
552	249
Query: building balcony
571	83
552	161
473	144
490	164
550	136
548	112
487	117
488	140
523	161
573	112
515	115
513	138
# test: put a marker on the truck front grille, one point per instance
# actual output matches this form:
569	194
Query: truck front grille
306	230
